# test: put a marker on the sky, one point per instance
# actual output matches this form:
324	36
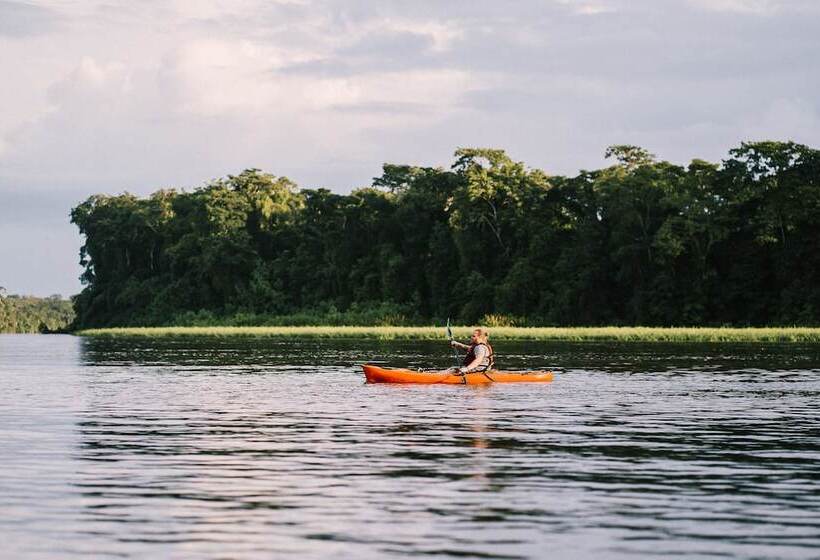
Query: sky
113	96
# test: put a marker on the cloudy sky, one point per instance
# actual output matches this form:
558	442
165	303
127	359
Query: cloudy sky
107	96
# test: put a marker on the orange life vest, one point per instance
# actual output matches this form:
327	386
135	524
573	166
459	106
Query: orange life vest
471	356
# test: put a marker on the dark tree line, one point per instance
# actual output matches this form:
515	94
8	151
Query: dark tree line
26	314
642	242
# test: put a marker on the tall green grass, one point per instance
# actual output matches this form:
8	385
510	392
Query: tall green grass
624	334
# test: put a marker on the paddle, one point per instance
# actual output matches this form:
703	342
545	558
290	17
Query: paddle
450	336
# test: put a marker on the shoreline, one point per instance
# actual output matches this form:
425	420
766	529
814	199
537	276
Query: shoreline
566	334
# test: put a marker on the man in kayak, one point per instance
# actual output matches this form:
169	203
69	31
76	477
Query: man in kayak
480	355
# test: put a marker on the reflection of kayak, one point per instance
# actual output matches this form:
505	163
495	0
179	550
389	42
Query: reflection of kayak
376	374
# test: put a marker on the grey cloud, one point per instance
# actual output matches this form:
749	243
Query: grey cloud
386	108
326	68
463	10
504	100
638	45
19	19
390	45
379	52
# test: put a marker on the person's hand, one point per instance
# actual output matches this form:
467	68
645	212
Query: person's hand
453	343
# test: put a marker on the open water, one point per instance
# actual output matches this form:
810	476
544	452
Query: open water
256	448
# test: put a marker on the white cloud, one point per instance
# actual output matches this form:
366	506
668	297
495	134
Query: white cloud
228	102
441	34
759	7
222	78
215	9
213	77
89	82
594	9
586	8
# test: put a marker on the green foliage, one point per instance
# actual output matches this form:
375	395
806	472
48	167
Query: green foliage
573	334
382	314
25	314
629	157
641	242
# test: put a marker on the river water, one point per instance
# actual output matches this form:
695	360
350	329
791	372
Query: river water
257	448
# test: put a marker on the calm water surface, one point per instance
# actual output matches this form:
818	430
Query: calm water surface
248	448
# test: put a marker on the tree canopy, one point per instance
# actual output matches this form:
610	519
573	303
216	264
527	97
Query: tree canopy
26	314
642	242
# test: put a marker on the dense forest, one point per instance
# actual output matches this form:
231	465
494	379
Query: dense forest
26	314
642	242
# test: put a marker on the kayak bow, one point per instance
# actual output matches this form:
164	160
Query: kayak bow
376	374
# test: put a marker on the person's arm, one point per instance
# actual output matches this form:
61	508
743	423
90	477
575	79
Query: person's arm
460	346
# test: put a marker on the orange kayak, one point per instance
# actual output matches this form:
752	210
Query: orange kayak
376	374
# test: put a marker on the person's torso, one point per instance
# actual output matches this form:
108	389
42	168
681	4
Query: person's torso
480	350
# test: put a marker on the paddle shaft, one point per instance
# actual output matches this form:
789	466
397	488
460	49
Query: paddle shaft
450	336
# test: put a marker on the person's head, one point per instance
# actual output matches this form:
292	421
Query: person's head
480	334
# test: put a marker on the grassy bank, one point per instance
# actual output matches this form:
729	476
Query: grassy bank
625	334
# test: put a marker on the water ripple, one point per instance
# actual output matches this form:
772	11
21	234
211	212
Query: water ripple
256	448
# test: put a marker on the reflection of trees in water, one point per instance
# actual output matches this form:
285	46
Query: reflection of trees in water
589	356
262	351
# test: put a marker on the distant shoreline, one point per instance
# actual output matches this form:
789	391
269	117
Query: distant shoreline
569	334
